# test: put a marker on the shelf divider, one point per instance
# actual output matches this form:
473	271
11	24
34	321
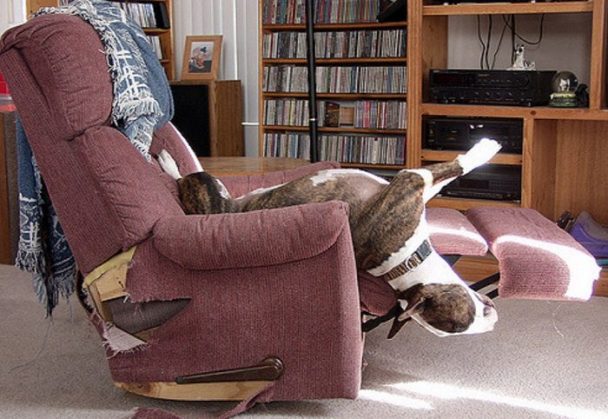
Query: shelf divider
597	84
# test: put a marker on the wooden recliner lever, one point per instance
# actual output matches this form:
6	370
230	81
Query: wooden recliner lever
269	369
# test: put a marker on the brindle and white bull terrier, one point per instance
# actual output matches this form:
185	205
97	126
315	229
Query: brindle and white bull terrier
389	231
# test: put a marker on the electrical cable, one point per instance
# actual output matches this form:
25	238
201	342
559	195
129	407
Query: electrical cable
488	41
512	38
521	38
481	41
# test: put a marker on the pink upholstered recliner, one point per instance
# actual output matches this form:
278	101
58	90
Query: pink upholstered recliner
233	289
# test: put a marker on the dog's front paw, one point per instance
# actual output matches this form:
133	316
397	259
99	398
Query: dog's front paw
168	164
481	153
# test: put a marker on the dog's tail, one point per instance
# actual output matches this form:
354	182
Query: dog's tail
481	153
444	173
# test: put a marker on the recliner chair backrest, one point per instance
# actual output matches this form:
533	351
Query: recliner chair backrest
107	196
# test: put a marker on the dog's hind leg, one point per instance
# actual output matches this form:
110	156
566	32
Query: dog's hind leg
391	225
436	176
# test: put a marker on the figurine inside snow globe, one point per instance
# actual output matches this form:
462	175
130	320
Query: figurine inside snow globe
564	86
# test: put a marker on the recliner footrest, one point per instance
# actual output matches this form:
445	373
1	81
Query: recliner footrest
453	234
537	259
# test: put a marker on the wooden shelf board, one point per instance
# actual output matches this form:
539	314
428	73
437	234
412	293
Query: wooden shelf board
508	8
363	130
338	96
372	166
449	155
324	27
463	204
474	110
345	130
155	31
341	61
569	113
538	112
285	128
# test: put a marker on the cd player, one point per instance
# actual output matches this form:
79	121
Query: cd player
443	133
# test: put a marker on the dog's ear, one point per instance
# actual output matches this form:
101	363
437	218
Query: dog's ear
409	309
412	302
396	327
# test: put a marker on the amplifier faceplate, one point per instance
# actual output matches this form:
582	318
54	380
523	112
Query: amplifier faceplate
491	87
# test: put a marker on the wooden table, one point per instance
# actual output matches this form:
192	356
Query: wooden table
226	166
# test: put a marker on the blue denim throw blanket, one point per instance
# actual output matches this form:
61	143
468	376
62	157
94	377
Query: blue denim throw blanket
142	102
142	96
43	249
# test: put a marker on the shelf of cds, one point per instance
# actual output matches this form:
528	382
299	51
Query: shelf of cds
154	16
326	11
361	79
367	150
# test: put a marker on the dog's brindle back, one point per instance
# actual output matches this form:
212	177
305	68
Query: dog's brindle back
387	224
383	216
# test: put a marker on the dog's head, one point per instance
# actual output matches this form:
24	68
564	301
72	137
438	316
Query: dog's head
443	303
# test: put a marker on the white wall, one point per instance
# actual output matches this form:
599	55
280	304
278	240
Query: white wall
12	12
566	43
237	22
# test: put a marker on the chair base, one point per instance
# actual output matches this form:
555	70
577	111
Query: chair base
224	391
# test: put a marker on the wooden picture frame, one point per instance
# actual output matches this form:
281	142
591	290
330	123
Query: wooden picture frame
202	57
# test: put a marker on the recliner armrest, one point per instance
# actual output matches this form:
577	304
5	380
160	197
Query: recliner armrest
252	239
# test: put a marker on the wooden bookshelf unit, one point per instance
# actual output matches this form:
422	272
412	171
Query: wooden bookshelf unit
161	37
563	163
209	114
9	207
361	70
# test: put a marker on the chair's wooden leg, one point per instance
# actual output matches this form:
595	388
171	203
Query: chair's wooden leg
233	390
232	384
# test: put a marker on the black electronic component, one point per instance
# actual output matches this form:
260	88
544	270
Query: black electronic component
494	181
442	133
491	87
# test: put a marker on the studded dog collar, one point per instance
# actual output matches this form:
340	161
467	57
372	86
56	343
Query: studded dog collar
412	262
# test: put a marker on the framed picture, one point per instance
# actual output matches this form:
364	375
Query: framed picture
201	57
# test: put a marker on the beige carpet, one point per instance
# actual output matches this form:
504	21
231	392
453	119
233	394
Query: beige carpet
544	360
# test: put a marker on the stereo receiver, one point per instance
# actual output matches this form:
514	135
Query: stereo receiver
491	87
441	133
